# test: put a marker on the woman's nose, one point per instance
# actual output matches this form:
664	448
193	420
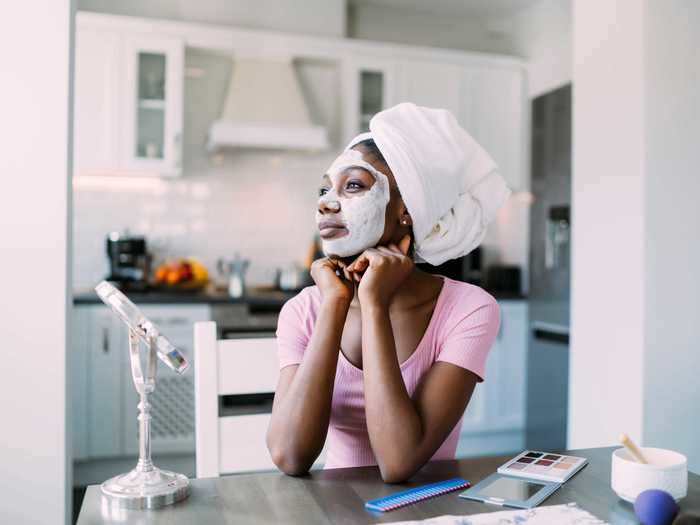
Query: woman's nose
328	205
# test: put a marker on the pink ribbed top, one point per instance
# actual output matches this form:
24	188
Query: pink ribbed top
461	331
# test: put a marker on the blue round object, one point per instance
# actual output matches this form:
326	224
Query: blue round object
655	507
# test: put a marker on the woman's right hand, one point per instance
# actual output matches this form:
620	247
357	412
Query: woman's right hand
332	285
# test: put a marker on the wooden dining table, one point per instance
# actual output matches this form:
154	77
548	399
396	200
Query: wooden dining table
339	495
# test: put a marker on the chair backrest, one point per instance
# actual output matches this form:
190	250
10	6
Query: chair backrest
231	437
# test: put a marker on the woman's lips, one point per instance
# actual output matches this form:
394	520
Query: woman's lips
331	229
333	232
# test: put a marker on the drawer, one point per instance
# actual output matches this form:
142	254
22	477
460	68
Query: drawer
176	314
247	366
242	445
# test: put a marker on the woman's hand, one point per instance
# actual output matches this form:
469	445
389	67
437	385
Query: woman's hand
380	271
332	286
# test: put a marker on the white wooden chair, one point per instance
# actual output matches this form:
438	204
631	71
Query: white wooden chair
227	443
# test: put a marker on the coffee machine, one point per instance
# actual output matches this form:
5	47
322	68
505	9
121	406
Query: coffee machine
129	261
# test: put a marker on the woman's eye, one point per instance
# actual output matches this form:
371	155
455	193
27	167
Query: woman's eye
322	191
354	186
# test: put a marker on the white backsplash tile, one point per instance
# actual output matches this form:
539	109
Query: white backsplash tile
262	210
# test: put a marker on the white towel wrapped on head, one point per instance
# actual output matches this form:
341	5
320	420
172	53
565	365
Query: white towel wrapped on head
450	185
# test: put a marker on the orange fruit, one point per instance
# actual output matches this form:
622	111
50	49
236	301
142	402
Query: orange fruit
173	277
161	274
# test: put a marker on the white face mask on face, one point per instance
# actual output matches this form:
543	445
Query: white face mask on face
363	216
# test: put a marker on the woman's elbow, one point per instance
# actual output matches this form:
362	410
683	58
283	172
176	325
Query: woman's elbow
288	462
291	466
395	474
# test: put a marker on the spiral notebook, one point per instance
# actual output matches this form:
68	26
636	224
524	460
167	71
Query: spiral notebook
414	495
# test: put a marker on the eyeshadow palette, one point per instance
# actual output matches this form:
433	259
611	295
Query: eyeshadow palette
542	466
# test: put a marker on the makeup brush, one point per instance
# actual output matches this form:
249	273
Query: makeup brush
632	448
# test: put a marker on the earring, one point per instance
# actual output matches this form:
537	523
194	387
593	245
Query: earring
404	222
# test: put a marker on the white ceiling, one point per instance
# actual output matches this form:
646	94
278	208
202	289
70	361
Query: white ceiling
452	7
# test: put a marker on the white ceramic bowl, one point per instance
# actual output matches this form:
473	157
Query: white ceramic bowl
667	470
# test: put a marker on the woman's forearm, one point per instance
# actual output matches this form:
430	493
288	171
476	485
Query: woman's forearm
394	425
301	412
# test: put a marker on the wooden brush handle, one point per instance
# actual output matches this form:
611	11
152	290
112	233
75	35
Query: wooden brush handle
633	449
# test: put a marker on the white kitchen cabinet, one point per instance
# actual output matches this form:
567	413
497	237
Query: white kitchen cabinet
172	426
153	77
496	109
488	101
434	85
104	408
128	110
130	75
105	346
507	405
78	384
97	117
475	417
495	416
369	87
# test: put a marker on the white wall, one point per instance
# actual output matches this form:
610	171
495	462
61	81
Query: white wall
636	225
407	26
317	17
35	50
542	33
672	240
607	256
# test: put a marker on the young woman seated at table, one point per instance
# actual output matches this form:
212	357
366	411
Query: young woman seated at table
379	359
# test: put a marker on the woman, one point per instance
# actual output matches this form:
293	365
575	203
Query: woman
380	357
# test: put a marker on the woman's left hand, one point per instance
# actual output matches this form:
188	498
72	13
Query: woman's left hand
380	271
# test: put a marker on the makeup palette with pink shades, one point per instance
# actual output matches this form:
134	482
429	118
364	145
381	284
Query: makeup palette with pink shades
543	465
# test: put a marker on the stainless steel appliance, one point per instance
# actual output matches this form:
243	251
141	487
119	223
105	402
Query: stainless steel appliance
233	271
129	261
548	345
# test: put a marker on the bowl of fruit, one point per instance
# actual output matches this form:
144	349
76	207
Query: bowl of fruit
181	274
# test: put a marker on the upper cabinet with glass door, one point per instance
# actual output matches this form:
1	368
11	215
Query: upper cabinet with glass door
128	101
369	88
153	98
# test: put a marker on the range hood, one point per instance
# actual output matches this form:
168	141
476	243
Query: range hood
265	108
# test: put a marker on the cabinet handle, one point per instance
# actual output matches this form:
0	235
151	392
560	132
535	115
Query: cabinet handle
169	320
552	337
105	340
177	149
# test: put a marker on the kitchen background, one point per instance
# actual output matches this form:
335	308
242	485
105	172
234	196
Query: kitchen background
259	204
634	220
220	199
143	167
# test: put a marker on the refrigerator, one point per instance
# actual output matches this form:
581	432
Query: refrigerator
548	297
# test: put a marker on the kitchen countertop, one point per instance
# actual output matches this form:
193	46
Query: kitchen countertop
254	297
263	297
